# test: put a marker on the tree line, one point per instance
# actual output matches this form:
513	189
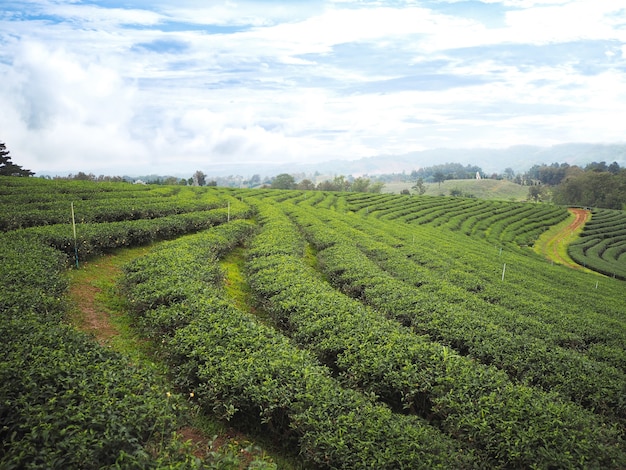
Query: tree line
338	183
598	184
446	171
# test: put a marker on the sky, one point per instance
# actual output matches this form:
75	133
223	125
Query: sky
173	86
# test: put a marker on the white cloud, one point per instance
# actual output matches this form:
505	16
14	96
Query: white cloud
571	21
63	110
258	81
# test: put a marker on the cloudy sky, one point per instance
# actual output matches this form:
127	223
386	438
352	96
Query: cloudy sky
140	86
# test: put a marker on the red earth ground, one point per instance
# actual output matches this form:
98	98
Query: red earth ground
582	216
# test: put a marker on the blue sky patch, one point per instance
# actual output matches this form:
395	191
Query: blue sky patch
166	46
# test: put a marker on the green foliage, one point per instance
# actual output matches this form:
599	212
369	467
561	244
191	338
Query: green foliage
602	244
283	181
390	338
64	401
593	189
245	371
386	279
497	221
30	279
409	372
7	167
597	185
447	171
68	403
49	202
419	187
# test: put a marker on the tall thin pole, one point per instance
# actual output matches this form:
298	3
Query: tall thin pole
75	239
503	271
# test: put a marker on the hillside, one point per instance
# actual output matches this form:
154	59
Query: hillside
360	329
483	189
492	160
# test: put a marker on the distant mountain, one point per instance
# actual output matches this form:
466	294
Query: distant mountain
520	158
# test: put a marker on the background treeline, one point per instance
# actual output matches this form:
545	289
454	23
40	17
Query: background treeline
595	185
338	183
598	184
447	171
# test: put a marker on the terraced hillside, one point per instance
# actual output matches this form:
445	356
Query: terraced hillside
602	244
375	331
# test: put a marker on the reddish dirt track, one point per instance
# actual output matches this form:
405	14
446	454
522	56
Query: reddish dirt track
96	319
582	216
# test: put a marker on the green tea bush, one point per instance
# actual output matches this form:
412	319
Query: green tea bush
238	368
65	402
375	355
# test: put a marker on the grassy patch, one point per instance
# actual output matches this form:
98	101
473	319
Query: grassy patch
553	243
235	284
481	189
100	310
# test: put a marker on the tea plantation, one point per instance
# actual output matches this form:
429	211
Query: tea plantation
378	331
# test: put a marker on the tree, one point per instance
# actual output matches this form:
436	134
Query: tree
170	180
614	168
284	181
7	167
199	178
341	184
439	177
306	185
361	185
377	187
419	186
535	193
82	176
255	180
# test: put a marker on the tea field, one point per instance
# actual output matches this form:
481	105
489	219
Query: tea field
375	330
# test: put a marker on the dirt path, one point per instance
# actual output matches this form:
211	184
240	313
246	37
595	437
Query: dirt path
91	316
88	288
563	237
92	287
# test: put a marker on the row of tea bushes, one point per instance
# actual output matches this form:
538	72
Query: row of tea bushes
509	425
448	314
65	402
243	370
548	302
503	222
602	244
98	203
95	239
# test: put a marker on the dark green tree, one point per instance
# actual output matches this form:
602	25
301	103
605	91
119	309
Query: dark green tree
509	173
614	168
535	193
361	185
199	178
376	187
439	177
306	185
284	181
7	167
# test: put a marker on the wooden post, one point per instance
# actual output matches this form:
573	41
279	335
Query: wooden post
75	238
